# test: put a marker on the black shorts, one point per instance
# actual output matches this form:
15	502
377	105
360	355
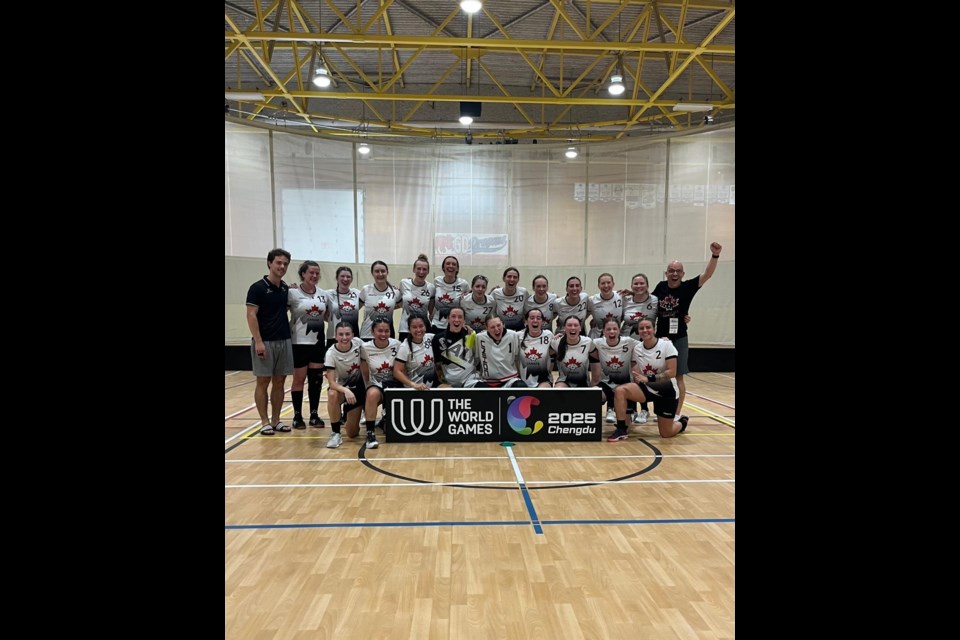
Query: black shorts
304	354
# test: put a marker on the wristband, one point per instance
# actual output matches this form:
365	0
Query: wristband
716	257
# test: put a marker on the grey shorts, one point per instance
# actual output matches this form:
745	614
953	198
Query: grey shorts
683	350
278	360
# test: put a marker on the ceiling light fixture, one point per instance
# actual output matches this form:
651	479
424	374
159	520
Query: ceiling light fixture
471	6
465	120
363	149
616	83
571	152
692	106
322	77
243	96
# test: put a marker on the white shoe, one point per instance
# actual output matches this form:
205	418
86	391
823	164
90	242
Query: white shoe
641	417
335	441
372	441
611	416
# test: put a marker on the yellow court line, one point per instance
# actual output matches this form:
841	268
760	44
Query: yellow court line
711	414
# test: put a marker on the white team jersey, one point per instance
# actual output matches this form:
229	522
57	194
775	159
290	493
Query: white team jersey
379	305
615	361
475	312
346	365
306	315
419	363
548	308
565	310
446	296
574	366
510	308
344	307
461	370
535	357
653	361
498	362
380	360
634	312
601	309
415	298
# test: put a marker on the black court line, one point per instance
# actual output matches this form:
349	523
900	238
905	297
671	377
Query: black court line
653	465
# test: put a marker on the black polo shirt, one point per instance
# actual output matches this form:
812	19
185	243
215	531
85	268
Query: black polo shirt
271	304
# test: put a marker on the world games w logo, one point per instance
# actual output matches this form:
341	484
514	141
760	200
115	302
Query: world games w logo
419	419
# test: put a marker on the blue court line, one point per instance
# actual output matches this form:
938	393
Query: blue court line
533	512
478	523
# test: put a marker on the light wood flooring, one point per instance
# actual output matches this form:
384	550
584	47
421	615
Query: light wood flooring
603	540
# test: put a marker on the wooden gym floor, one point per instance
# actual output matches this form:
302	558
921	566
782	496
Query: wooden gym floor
461	541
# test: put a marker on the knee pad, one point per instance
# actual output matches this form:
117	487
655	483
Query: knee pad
315	377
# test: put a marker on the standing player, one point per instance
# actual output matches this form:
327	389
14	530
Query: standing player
543	300
572	304
416	293
308	310
604	305
448	289
344	305
478	305
509	300
380	299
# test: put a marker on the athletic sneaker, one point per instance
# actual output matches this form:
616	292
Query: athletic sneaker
611	416
641	417
298	422
316	421
683	421
372	440
335	441
617	436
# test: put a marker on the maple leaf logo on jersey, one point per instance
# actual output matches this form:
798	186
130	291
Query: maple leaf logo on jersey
510	312
314	311
346	306
648	370
353	367
609	316
415	303
427	360
381	308
533	354
615	363
445	298
384	366
572	364
636	317
669	303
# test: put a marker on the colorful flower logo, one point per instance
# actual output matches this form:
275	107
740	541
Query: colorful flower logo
517	413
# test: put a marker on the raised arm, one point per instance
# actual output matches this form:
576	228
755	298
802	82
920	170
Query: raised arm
715	249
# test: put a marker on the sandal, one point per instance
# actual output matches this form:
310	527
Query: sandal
266	430
281	427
